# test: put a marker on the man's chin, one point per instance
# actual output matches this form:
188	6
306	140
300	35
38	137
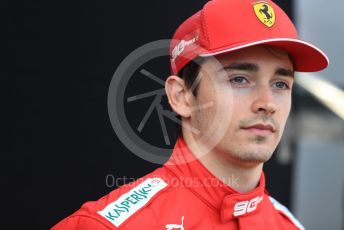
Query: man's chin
256	156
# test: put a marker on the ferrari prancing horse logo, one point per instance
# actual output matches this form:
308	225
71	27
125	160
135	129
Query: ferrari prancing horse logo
265	13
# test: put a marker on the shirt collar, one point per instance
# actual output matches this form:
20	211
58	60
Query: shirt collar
223	199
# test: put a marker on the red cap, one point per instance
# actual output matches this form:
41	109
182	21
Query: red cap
227	25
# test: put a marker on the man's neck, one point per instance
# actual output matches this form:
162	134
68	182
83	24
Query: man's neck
238	175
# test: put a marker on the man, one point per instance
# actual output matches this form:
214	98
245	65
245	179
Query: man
232	67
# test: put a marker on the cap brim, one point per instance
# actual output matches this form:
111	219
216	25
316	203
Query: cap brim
306	57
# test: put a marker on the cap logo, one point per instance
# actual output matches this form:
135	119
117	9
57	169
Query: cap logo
180	47
265	13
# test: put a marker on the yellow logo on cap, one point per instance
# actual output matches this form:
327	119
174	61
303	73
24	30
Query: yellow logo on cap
265	13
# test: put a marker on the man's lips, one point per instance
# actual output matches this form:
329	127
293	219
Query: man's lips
260	129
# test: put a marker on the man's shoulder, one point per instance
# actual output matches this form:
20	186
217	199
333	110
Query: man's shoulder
285	213
127	202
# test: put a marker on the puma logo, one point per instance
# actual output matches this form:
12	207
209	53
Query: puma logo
176	226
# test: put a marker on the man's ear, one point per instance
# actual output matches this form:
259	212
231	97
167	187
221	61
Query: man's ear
178	96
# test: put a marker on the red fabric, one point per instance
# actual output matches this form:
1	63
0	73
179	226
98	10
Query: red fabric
227	25
193	198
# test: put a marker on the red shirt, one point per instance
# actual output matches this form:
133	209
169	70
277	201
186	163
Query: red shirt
182	196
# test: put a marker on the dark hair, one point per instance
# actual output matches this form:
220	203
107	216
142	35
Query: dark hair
189	74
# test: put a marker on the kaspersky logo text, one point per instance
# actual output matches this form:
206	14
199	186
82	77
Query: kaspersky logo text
127	204
132	199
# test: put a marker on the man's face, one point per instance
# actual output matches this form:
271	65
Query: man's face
252	93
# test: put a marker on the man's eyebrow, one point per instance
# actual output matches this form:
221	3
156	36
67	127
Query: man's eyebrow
242	66
285	72
254	68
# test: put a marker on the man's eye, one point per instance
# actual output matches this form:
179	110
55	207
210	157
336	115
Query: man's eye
281	85
238	80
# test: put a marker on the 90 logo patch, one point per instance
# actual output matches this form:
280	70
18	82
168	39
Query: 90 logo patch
243	207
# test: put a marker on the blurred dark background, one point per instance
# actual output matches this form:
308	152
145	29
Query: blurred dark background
58	148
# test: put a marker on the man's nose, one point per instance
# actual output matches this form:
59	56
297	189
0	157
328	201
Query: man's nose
264	101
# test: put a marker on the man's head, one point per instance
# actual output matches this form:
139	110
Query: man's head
243	95
249	98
